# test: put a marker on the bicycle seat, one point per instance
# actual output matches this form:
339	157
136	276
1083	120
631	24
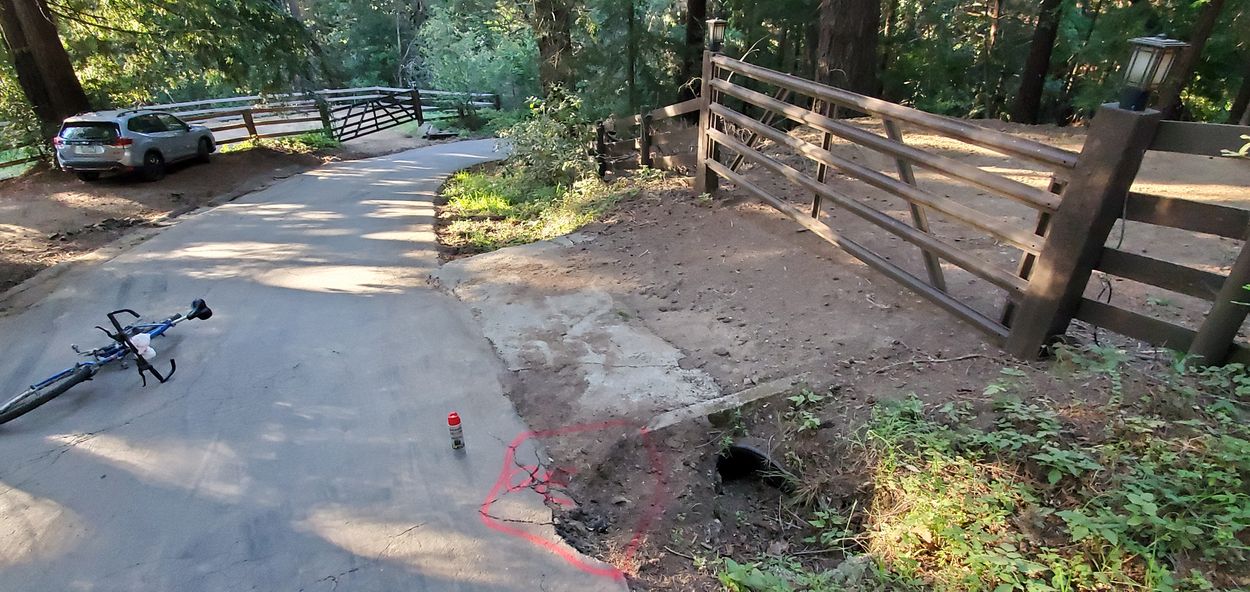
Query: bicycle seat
200	310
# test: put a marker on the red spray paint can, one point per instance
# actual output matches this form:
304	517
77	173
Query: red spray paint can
457	433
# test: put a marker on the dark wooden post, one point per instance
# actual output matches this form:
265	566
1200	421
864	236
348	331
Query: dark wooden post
1093	201
705	180
419	111
826	142
1216	335
1025	268
601	149
644	141
249	123
497	101
918	215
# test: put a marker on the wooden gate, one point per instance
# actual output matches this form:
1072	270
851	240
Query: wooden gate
346	113
374	111
1058	248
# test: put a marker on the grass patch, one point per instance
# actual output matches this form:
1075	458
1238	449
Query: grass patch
306	143
1022	496
492	209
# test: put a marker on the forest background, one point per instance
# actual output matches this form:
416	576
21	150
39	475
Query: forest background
1046	61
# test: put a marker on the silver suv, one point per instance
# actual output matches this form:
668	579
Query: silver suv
129	140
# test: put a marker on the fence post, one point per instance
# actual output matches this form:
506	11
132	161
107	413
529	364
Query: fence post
1216	335
416	105
497	101
601	149
919	218
704	179
250	123
1093	201
644	141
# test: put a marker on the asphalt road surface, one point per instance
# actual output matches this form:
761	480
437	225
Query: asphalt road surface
302	444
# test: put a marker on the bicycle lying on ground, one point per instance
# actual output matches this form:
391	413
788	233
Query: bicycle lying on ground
132	340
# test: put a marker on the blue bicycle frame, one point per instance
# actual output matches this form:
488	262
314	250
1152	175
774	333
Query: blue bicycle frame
114	351
122	346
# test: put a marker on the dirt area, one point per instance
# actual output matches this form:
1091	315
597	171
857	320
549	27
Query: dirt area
47	217
750	299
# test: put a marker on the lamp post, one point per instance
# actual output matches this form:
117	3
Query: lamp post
716	34
1147	68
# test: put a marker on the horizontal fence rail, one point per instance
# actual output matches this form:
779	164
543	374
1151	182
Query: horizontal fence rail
656	139
727	135
347	113
953	128
1214	341
1059	251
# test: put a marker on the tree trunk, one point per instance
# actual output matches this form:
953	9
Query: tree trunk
1183	70
989	81
692	52
847	56
1240	104
1033	79
631	74
43	68
811	47
553	23
889	24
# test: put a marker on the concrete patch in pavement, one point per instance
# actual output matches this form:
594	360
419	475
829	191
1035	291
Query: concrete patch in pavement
573	347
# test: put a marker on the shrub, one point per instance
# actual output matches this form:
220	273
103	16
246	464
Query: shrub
552	144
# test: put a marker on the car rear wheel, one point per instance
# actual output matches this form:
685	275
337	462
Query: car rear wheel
205	149
153	166
88	176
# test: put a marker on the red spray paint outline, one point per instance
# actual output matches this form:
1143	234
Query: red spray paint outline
510	469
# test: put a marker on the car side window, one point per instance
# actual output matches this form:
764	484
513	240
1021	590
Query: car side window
145	124
172	123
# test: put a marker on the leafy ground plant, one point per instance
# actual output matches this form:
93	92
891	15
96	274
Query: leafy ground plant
547	188
307	143
492	210
1034	496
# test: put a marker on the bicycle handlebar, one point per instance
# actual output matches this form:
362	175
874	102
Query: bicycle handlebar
140	362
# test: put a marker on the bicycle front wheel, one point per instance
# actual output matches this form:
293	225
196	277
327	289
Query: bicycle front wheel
32	398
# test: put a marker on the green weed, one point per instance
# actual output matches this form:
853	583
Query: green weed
492	210
307	143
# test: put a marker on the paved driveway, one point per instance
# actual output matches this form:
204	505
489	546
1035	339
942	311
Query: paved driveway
303	443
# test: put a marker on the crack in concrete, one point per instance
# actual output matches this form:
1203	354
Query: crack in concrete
391	540
603	364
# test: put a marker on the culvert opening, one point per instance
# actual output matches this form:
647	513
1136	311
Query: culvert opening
750	459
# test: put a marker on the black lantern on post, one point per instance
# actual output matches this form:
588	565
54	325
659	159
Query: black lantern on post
1147	68
716	34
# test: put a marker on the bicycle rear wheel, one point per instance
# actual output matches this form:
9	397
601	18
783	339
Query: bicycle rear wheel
29	400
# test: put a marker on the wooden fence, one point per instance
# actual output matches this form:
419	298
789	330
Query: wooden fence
657	139
347	113
1059	250
1215	339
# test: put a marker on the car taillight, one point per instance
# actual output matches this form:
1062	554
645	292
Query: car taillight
58	142
122	142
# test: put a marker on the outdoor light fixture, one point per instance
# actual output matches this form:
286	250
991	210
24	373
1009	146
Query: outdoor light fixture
716	33
1147	68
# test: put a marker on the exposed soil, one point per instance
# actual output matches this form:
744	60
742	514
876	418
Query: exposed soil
47	216
750	298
